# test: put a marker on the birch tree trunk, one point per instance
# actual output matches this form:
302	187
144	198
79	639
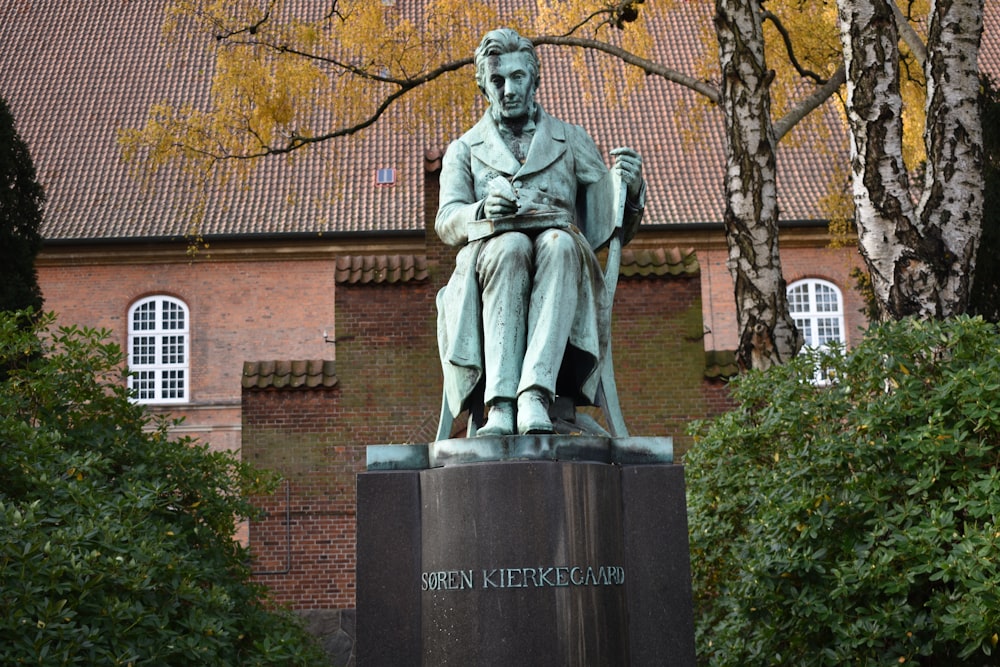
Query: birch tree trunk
768	335
920	254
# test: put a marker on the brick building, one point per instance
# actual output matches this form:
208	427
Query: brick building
319	245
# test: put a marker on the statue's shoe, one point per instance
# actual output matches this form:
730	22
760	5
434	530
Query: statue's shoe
500	420
533	413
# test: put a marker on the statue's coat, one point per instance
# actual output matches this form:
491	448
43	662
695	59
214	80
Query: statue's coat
564	176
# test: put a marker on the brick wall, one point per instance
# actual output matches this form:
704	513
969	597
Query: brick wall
304	544
797	263
659	357
388	391
240	309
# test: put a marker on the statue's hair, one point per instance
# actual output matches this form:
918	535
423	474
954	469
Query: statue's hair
502	41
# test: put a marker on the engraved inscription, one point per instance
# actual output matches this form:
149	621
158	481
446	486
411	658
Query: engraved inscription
522	577
446	580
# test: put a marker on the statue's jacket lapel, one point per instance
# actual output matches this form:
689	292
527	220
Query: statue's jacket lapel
492	157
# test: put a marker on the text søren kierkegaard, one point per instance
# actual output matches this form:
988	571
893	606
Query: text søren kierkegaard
522	577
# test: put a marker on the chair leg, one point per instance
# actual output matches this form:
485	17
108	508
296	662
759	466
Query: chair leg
477	417
608	391
446	421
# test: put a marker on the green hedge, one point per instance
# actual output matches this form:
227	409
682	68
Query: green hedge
116	539
855	523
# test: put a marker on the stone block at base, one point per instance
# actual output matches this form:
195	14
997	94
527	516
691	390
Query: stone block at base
657	559
388	549
512	553
525	563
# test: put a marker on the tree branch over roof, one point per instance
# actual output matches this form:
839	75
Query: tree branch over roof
405	86
252	28
909	35
290	67
645	64
820	95
804	72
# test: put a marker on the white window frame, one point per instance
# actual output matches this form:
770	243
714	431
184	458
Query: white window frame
817	306
159	350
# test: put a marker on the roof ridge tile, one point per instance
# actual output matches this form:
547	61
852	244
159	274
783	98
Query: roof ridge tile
281	374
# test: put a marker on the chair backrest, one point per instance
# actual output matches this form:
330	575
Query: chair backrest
607	390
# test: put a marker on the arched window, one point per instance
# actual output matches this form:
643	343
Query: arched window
817	307
158	359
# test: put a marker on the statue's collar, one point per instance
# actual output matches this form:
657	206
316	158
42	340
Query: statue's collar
548	144
528	127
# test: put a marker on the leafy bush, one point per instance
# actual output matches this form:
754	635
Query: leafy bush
116	540
856	522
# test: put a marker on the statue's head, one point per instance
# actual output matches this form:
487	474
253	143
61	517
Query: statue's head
504	49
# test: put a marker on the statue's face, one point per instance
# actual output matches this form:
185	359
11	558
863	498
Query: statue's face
509	86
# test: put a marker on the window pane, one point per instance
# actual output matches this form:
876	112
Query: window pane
172	384
826	299
173	349
173	316
805	326
143	350
144	384
828	329
798	299
144	317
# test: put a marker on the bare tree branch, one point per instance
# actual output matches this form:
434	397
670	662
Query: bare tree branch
588	19
787	39
909	35
296	142
646	65
252	29
784	125
334	12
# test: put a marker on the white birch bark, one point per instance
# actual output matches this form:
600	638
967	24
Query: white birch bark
921	257
767	332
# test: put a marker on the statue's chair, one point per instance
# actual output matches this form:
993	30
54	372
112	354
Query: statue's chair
563	411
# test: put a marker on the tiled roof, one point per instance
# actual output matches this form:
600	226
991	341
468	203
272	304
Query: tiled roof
75	73
989	49
659	262
289	374
371	269
376	269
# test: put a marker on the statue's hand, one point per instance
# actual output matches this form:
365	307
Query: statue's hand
498	205
628	163
501	200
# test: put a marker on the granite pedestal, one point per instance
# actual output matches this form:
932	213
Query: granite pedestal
524	550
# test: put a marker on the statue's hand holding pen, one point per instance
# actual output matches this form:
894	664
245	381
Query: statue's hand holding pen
501	199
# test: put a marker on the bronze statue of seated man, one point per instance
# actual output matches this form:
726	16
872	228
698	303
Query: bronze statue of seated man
526	315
